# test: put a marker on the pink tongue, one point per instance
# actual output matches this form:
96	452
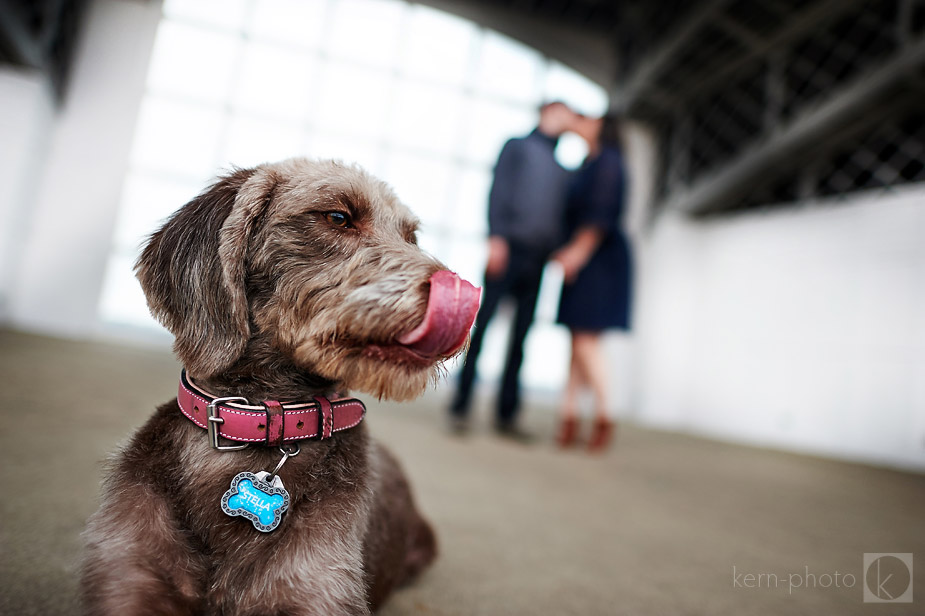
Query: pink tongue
451	309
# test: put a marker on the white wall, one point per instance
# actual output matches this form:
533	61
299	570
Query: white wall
26	117
60	266
802	329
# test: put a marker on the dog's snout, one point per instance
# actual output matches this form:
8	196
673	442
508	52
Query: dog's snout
452	304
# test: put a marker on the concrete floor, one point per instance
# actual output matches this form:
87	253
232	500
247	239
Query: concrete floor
662	524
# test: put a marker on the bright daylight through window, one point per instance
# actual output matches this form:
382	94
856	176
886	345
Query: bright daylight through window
421	98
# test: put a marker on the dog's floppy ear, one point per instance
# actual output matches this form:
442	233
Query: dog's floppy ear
192	270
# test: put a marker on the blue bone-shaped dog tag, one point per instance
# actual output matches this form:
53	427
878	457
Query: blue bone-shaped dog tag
252	497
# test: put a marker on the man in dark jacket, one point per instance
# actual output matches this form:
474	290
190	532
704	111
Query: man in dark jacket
525	213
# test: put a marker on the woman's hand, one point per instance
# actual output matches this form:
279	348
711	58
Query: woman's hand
576	254
572	260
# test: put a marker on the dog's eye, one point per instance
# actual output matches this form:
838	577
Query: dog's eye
338	219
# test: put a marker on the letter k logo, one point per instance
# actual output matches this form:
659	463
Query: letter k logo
888	578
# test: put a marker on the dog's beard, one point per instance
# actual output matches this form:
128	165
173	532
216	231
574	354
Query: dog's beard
355	368
388	337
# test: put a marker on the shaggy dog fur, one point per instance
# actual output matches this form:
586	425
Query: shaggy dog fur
282	282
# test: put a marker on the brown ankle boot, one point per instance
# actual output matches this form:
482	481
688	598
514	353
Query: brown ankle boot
568	431
602	435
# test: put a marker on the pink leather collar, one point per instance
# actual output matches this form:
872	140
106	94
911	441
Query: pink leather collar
270	424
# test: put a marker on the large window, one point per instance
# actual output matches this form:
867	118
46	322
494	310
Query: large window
419	97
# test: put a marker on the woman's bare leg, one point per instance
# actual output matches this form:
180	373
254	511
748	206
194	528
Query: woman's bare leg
568	421
592	363
576	379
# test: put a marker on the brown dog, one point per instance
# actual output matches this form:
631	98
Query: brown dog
289	282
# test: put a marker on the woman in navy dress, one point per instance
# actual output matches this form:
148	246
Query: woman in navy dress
597	269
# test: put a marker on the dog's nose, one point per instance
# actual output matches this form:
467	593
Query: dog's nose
451	308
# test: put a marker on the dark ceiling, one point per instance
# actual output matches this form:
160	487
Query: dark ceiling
743	95
752	101
40	34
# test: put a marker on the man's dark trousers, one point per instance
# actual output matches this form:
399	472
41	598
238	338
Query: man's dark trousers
521	282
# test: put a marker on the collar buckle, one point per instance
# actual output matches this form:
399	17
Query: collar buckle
214	421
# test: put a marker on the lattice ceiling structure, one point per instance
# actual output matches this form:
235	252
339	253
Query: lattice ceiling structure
755	102
760	102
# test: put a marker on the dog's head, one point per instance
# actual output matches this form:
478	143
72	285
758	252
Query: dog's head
317	259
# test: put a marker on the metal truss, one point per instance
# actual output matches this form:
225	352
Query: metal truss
774	101
761	102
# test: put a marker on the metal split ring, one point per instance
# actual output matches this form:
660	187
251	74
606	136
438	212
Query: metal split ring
291	454
286	455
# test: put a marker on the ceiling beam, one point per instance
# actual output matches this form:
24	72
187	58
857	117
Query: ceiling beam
721	189
739	32
799	24
628	95
592	54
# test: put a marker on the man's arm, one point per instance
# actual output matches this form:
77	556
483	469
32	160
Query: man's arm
500	214
503	189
